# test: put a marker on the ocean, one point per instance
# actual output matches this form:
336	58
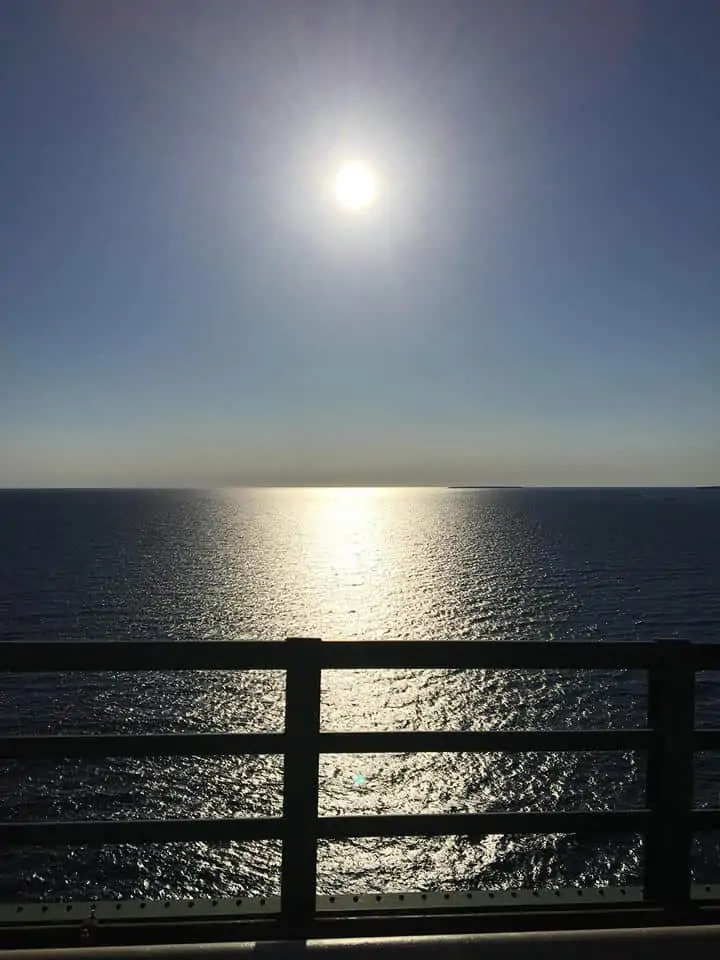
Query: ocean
375	564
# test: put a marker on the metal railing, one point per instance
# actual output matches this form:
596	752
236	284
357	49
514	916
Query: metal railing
667	821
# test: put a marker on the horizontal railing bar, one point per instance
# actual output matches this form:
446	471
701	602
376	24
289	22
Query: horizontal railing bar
706	739
228	744
58	746
59	833
609	823
706	819
132	655
142	745
135	655
705	656
501	654
100	832
44	656
509	741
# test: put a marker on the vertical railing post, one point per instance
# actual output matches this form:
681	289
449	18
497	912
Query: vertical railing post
300	787
670	778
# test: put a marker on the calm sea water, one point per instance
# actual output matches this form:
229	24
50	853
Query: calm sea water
374	564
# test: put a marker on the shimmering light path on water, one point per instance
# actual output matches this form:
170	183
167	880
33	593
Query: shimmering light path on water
343	564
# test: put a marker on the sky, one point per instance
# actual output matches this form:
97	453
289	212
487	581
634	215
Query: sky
533	298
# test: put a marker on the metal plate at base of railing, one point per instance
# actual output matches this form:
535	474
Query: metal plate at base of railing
705	891
115	911
51	913
479	900
226	908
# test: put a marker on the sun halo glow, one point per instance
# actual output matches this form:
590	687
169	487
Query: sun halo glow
355	187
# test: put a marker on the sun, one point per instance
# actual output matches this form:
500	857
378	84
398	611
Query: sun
355	186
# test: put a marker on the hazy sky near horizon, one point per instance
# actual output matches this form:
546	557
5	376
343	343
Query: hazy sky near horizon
533	298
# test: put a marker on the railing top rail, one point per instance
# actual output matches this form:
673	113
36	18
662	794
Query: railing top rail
133	655
495	654
137	655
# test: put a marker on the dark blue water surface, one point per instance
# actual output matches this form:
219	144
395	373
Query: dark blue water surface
341	564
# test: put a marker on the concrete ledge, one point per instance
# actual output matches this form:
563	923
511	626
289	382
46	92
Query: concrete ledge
658	943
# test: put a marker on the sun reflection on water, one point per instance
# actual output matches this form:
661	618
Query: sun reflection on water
347	534
371	564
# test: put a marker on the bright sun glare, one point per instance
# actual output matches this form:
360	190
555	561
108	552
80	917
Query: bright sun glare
355	187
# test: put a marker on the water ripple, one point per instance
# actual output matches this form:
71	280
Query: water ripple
382	564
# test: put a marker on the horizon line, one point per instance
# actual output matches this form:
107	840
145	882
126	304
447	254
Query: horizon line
369	486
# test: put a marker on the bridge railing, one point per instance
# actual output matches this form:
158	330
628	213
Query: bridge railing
669	739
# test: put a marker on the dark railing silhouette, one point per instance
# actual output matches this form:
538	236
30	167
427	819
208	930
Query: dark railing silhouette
667	822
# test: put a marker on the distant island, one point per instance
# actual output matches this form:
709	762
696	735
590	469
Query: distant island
487	486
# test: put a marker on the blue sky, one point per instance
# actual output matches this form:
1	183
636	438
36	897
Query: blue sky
534	298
